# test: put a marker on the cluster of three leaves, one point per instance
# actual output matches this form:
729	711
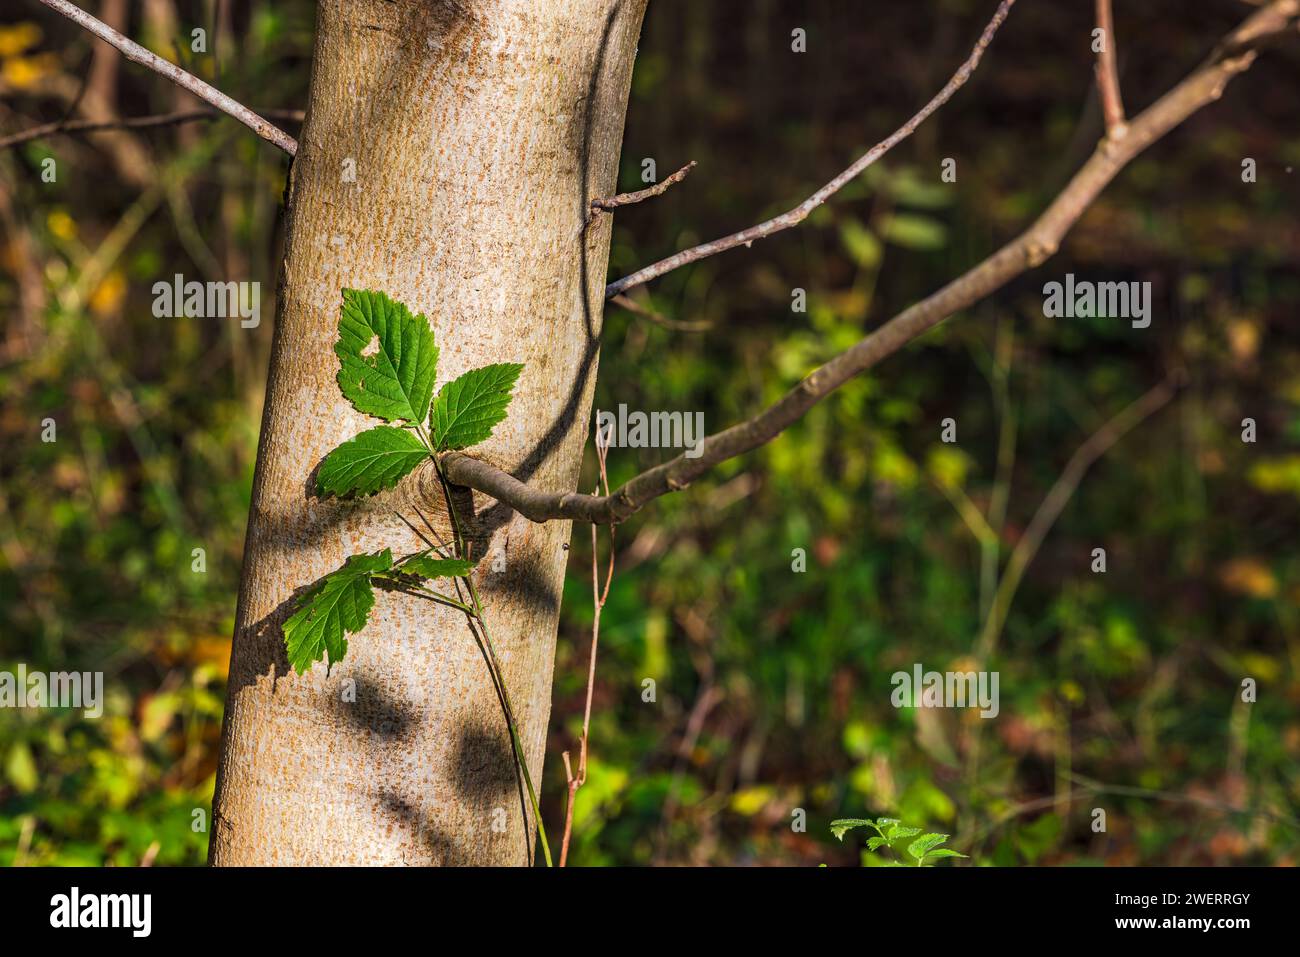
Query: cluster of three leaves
388	364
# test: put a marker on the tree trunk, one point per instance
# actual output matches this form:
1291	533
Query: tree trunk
478	132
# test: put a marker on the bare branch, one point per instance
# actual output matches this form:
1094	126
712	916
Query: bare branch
129	123
1112	105
598	599
797	215
1029	250
204	91
682	325
628	199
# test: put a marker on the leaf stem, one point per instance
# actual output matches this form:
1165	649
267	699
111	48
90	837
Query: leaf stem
474	612
430	595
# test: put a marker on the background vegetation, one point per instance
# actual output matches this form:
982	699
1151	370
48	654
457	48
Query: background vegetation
1119	691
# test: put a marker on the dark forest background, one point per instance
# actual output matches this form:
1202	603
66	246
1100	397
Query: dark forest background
1119	691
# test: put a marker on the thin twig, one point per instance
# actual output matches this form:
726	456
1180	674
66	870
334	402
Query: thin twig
130	123
479	628
204	91
1112	105
1031	249
598	599
629	199
659	319
797	215
150	854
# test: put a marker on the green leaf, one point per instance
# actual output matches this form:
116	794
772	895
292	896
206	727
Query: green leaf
387	357
921	846
898	832
944	852
335	607
431	566
376	459
875	842
861	243
915	232
907	189
20	768
845	824
468	408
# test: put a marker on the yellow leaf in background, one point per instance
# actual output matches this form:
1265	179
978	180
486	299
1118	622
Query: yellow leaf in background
863	780
1243	339
891	464
61	225
214	651
655	664
108	295
861	243
1259	666
1276	475
857	739
749	801
18	38
20	768
1248	576
1072	692
26	71
948	466
156	714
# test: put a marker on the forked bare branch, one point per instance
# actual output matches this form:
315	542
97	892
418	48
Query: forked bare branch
797	215
1036	245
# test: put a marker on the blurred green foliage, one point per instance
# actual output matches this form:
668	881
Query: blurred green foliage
771	687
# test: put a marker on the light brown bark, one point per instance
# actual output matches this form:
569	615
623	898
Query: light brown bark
480	132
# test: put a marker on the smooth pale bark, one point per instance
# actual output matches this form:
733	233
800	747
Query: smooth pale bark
479	132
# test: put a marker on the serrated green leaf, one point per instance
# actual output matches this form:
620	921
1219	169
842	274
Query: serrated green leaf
921	846
842	826
898	832
943	852
431	566
376	459
875	842
468	408
335	607
387	357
